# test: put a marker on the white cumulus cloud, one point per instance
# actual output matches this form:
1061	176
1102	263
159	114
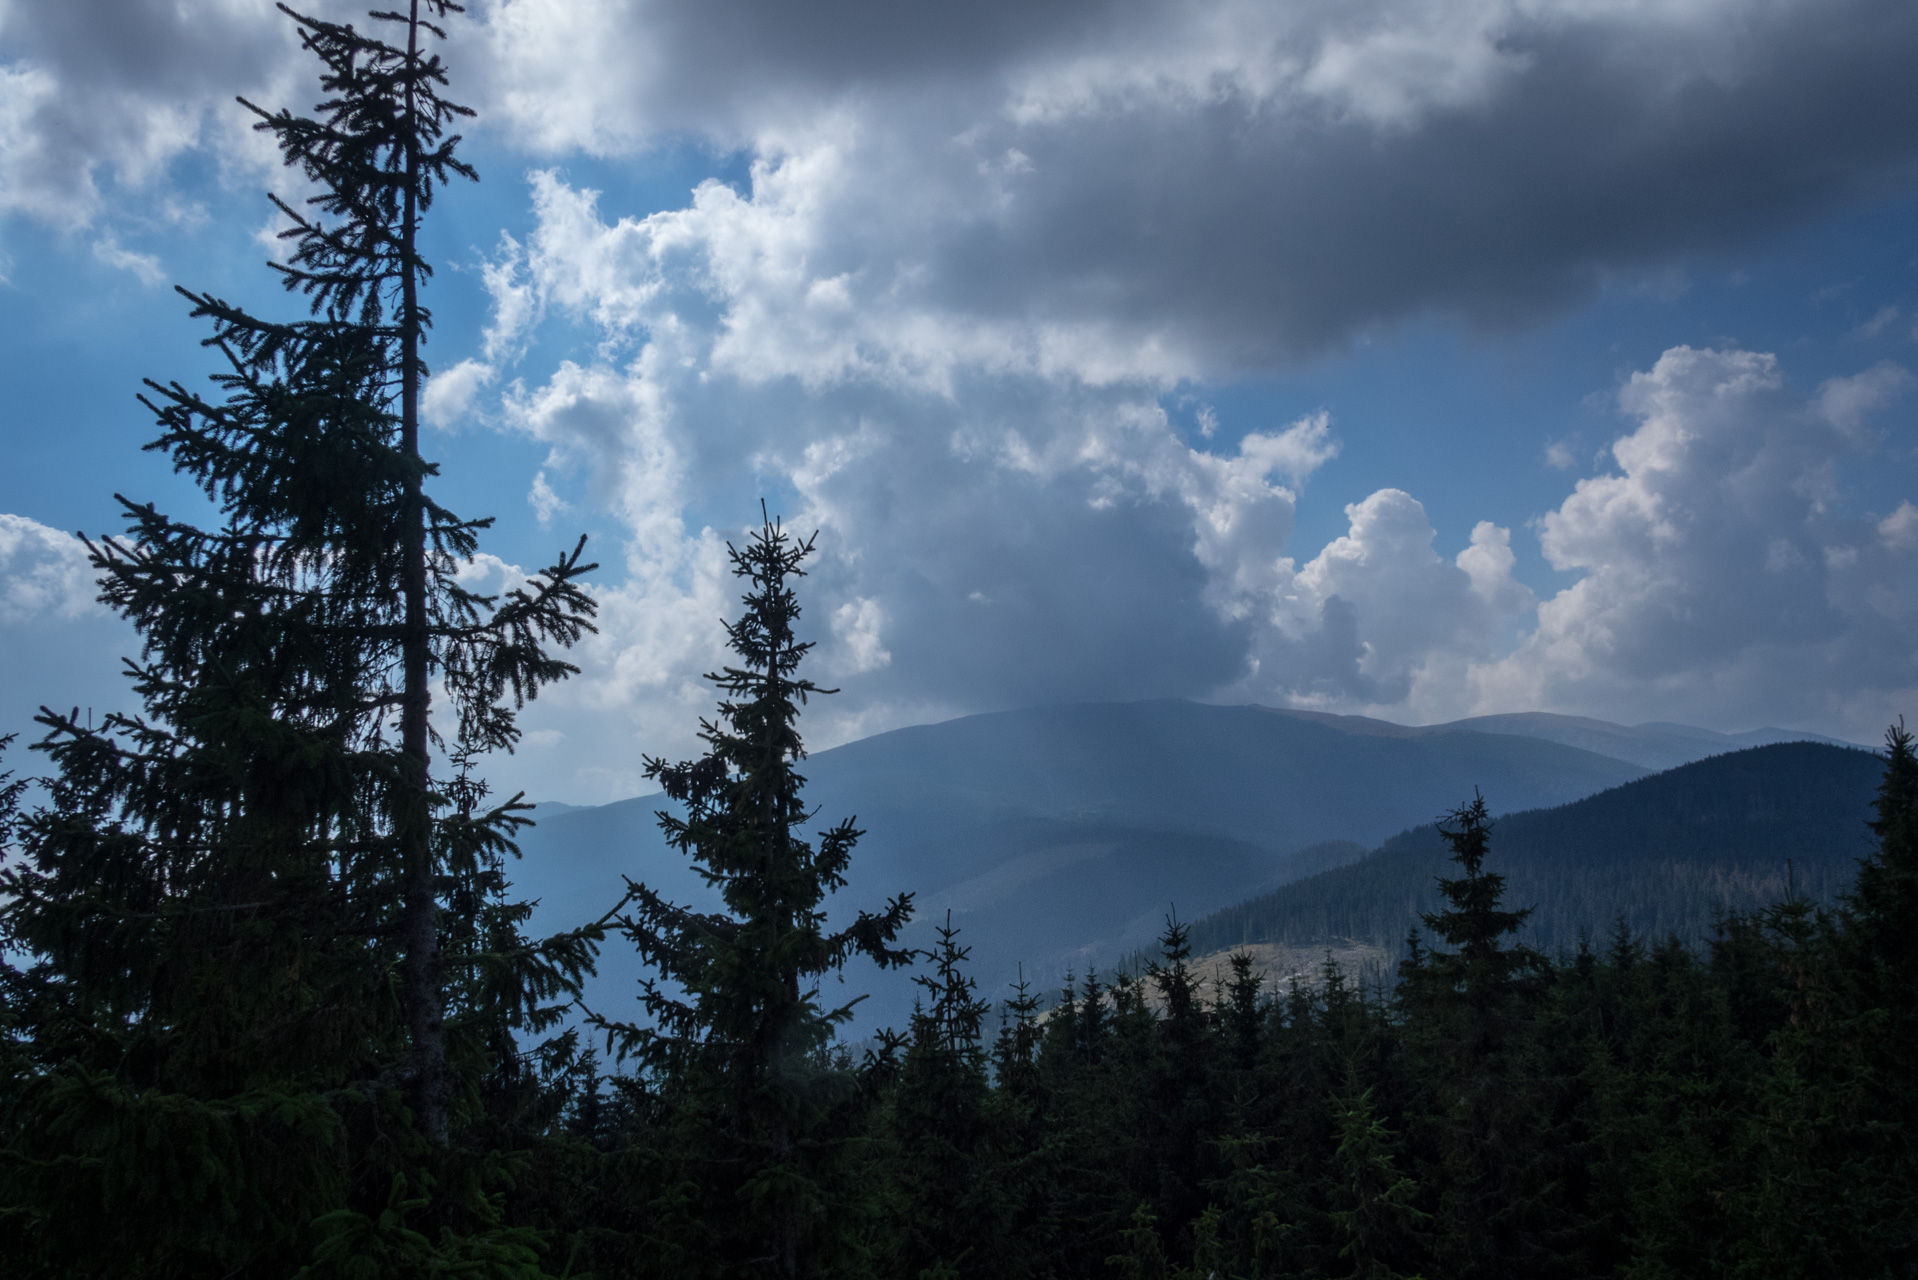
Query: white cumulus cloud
1719	575
44	573
1379	619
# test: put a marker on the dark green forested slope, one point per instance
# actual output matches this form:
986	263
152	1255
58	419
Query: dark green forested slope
1058	835
1669	852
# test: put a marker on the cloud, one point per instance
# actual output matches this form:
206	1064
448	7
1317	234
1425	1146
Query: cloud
1118	188
1719	574
99	98
546	503
1379	619
1881	320
144	265
449	395
979	248
1899	530
1002	520
1847	402
1006	518
1195	189
857	625
44	574
58	644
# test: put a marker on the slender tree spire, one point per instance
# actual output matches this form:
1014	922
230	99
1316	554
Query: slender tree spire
736	1025
227	892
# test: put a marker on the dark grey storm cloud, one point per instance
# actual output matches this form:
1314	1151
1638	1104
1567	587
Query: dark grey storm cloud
115	46
1242	182
1273	236
1253	183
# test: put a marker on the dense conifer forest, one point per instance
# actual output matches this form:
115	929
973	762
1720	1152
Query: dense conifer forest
268	1008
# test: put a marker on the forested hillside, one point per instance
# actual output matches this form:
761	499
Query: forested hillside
1669	853
1058	835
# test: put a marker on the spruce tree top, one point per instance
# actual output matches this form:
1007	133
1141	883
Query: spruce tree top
1484	969
749	974
272	816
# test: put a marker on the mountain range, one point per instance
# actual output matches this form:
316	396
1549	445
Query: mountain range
1667	854
1060	837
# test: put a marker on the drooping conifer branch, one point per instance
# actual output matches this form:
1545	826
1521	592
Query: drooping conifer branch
259	886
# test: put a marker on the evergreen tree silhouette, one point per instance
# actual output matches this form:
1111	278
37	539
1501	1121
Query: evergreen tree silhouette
737	1029
1881	921
948	1212
1375	1207
1015	1053
1882	907
1828	1159
1470	1009
235	903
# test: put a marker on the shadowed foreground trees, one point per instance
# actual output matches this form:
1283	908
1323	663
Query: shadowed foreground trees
1635	1110
760	1114
266	988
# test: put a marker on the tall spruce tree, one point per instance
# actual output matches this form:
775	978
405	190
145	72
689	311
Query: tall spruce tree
1469	1010
737	1029
1882	908
1882	915
1828	1159
235	1010
1179	1117
1374	1203
1015	1052
1480	981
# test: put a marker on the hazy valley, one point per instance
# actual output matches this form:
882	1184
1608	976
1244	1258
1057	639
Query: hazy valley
1059	838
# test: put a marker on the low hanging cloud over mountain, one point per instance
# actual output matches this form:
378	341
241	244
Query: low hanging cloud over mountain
994	531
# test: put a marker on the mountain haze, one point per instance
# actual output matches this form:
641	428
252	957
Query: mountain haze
1060	836
1668	852
1657	745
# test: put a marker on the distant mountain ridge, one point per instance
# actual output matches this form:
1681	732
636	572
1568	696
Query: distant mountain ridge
1655	745
1668	852
1060	836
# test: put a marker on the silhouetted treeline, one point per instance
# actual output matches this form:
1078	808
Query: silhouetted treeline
1640	1108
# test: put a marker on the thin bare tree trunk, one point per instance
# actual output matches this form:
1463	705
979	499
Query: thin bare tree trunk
420	970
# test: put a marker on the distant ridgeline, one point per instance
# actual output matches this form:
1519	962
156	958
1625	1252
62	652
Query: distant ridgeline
1670	852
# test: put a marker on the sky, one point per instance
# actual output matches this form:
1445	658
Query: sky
1410	358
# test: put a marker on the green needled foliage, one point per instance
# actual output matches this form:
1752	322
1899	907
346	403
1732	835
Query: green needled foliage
737	1030
270	967
1470	1013
1884	903
1377	1210
947	1199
